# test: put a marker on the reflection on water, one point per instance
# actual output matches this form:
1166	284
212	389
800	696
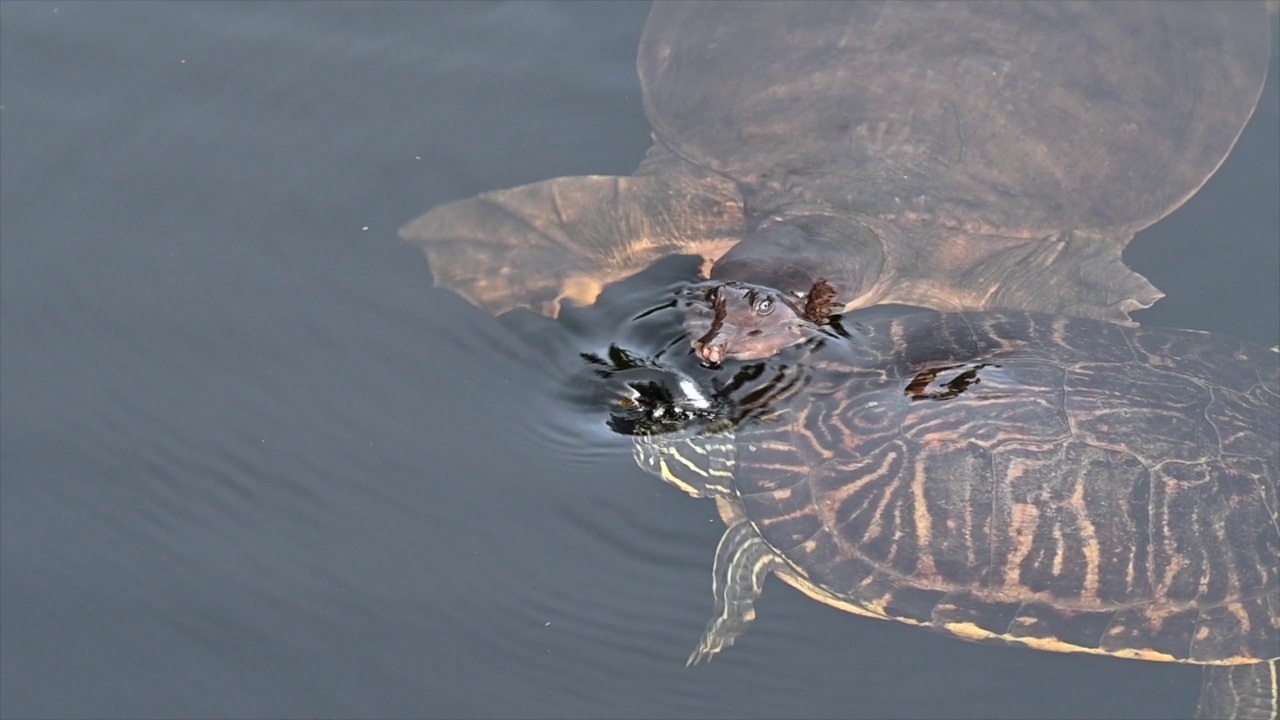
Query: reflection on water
252	464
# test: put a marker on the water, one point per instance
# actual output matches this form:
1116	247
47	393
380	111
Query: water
254	465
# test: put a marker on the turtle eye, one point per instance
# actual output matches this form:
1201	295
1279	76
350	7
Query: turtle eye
764	306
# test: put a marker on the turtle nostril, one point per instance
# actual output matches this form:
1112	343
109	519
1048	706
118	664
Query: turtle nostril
712	353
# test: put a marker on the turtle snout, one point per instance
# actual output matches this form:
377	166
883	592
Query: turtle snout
713	353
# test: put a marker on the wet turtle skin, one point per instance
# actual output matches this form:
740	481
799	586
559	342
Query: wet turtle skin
1049	482
729	319
952	155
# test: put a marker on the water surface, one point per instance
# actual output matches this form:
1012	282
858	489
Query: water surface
254	465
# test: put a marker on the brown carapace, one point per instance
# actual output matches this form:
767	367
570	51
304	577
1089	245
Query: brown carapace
950	155
1041	481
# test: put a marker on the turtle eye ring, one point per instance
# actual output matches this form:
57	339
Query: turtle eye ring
764	306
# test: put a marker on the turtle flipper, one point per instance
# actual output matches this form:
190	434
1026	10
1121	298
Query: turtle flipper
1240	692
1073	274
743	560
535	245
1070	274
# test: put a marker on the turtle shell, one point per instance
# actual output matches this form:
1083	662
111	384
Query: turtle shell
1064	484
1019	118
954	155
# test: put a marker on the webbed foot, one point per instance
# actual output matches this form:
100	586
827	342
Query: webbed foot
537	245
743	560
1074	274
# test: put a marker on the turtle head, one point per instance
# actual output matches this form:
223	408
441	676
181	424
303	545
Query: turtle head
681	432
740	321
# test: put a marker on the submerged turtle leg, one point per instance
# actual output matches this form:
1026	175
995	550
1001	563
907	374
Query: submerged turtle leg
743	560
1240	692
537	245
1073	274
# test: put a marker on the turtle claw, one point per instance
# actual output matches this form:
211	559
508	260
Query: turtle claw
707	648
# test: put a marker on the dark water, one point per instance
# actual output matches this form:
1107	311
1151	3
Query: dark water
254	465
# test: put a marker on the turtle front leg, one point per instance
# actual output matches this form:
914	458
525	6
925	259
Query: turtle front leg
538	245
743	560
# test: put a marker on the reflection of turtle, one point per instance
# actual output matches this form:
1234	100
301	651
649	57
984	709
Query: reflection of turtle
1057	483
955	155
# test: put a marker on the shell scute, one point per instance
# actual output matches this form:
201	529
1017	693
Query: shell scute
1060	502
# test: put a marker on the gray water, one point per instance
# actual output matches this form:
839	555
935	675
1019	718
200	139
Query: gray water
254	465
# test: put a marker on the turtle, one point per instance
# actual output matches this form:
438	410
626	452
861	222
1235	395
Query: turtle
1052	482
951	155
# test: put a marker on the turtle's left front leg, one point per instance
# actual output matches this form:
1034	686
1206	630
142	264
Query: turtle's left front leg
743	560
